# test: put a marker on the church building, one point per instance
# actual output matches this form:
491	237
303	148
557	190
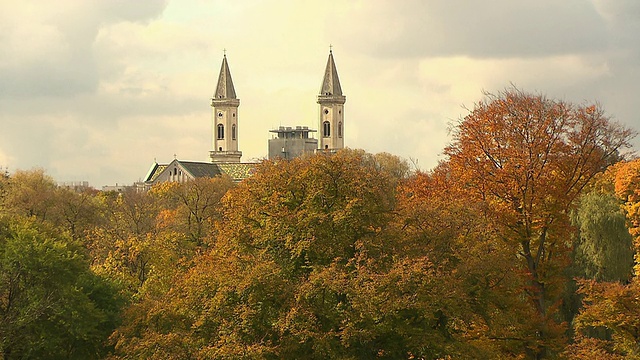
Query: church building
289	143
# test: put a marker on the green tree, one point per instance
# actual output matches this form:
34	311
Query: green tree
608	325
604	250
51	305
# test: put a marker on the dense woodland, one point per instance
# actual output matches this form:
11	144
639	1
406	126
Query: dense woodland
520	244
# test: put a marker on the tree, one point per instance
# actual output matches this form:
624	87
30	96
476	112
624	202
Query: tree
196	203
529	158
133	243
309	262
489	319
30	193
76	212
51	305
607	327
604	250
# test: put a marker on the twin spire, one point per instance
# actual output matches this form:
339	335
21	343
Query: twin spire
331	82
225	89
225	114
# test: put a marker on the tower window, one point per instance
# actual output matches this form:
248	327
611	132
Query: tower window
326	129
233	132
340	129
326	111
220	131
220	148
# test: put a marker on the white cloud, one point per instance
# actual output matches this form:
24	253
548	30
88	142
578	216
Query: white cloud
102	88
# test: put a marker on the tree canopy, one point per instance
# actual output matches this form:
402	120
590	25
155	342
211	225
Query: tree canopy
519	244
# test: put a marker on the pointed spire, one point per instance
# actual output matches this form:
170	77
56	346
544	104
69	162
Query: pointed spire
225	89
331	82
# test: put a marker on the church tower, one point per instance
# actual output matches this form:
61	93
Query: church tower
331	103
225	119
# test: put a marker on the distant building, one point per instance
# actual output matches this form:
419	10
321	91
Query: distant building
77	186
288	143
116	188
291	142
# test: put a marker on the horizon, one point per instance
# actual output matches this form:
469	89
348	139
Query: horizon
96	91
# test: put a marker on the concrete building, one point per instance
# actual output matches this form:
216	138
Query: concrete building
291	142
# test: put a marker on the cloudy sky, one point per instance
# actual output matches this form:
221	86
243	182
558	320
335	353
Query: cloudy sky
96	90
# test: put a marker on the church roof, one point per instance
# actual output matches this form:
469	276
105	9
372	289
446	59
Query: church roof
236	171
225	89
201	169
154	171
331	82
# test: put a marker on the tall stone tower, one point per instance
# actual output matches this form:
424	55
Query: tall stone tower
331	102
225	119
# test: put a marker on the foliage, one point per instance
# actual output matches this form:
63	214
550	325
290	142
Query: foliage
30	194
604	250
51	305
348	255
309	263
608	326
529	158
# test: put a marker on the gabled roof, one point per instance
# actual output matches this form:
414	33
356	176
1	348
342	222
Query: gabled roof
201	169
225	89
154	171
236	171
331	82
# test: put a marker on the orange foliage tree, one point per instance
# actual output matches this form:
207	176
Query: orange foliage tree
321	257
528	158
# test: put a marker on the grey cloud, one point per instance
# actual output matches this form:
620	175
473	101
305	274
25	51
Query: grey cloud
69	69
498	28
104	109
48	78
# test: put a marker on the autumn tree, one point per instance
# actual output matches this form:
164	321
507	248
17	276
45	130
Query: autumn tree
310	262
196	205
125	246
76	212
529	158
30	193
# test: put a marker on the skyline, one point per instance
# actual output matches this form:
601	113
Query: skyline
97	91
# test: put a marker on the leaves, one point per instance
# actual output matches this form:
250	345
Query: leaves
51	305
